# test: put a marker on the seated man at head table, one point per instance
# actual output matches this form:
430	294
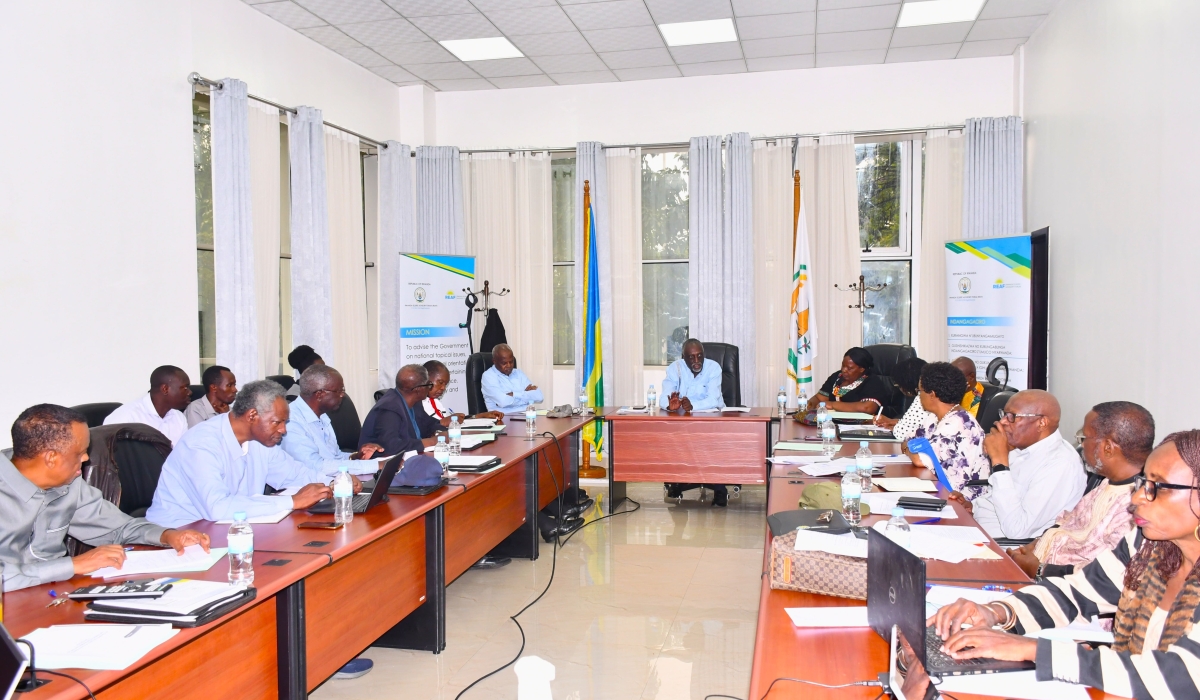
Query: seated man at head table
1117	437
44	498
1036	474
506	389
220	389
693	383
300	359
223	465
162	407
853	388
392	423
1149	582
974	393
310	438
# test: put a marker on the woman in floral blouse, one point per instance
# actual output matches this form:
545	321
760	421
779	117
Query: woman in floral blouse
956	438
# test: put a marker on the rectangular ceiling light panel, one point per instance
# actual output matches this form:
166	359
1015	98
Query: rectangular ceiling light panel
710	31
916	14
482	49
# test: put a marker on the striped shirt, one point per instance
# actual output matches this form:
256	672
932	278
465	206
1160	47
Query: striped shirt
1095	589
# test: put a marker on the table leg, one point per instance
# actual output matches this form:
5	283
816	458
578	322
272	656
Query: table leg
616	489
524	542
425	628
291	643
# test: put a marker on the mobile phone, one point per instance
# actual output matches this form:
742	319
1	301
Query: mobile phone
319	525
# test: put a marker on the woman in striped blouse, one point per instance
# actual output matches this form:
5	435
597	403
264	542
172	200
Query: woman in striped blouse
1150	581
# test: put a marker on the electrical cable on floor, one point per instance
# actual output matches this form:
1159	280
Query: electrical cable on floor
869	684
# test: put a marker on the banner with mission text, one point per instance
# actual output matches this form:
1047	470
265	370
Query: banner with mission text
431	307
988	303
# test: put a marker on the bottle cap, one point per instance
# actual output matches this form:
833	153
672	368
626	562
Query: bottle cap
240	515
862	443
441	438
822	403
897	511
343	467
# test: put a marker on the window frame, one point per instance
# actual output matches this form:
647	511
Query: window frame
555	264
663	261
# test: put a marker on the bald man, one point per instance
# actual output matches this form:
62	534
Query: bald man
1036	474
392	423
974	393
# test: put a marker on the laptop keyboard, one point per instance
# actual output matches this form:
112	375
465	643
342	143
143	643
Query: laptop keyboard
360	501
936	658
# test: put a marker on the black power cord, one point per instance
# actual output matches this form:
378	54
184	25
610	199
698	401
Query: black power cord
34	670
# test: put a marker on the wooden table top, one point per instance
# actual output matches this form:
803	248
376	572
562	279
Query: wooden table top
25	610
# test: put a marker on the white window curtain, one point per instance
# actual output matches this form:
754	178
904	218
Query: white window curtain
264	194
507	218
591	167
439	201
830	189
312	307
625	225
941	222
233	235
347	267
721	256
993	167
396	235
773	195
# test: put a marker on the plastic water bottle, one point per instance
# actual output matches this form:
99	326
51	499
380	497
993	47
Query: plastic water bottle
781	399
652	400
898	529
455	432
530	422
851	496
343	496
241	551
862	462
829	445
583	401
822	414
441	452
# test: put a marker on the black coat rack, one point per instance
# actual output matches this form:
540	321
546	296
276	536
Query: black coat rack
472	301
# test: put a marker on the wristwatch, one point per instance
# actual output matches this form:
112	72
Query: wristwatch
999	468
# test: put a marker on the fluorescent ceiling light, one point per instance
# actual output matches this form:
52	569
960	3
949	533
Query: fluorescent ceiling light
710	31
482	49
915	14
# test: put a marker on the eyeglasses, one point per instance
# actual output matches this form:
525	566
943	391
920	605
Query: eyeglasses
428	385
339	392
1079	438
1152	487
1012	417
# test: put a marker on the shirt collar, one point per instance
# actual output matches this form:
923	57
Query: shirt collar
208	403
24	488
148	405
304	413
1044	445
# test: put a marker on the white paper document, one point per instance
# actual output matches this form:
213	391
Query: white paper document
736	409
1078	632
798	459
927	544
478	423
709	410
470	460
1017	684
905	483
185	597
262	519
846	545
939	596
161	561
633	409
829	617
469	441
796	446
968	534
851	415
488	428
96	646
883	503
837	466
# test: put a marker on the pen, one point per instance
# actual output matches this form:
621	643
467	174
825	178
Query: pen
129	549
133	631
878	413
927	521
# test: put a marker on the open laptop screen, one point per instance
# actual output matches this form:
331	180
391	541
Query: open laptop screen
12	664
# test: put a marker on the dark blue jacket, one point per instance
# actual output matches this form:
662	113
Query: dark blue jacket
390	426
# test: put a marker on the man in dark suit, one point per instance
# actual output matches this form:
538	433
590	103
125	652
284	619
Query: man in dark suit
393	422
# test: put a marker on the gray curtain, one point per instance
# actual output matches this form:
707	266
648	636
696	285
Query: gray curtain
396	235
720	249
590	165
233	232
312	294
439	201
993	163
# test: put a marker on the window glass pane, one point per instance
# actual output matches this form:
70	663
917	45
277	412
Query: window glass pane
285	314
207	306
202	171
665	207
888	322
878	167
664	311
564	314
562	186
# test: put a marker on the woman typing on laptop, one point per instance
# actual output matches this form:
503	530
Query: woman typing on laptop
1150	581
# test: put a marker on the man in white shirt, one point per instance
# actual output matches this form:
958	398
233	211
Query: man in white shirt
220	389
162	408
1036	474
506	388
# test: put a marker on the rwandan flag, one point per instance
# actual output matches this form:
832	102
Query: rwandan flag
593	372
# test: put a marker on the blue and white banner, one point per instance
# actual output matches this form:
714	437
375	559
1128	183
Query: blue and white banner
431	310
988	302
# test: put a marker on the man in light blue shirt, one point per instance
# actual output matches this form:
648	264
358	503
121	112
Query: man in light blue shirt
310	438
506	388
692	382
220	466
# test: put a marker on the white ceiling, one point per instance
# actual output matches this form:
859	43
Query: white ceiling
568	42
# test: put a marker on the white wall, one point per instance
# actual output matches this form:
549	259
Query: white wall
1112	100
97	203
897	95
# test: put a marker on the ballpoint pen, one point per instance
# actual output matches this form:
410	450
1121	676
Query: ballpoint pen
928	521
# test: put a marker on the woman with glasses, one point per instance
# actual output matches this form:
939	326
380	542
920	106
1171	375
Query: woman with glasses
956	438
1150	582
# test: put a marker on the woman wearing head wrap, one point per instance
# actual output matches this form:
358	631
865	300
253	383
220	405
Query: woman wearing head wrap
854	387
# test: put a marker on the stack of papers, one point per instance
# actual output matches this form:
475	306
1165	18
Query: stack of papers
905	483
851	415
486	428
927	544
737	409
187	601
1078	632
883	503
159	561
95	646
478	423
798	459
1016	684
837	466
471	441
829	617
939	596
799	446
633	409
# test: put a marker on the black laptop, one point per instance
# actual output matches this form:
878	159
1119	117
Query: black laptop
12	664
366	501
896	597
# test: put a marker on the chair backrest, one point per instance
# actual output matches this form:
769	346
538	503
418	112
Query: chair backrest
197	391
379	394
990	414
887	356
125	462
96	412
477	364
994	368
726	355
285	380
989	392
346	425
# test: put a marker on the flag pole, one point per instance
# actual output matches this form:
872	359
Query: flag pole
795	207
586	470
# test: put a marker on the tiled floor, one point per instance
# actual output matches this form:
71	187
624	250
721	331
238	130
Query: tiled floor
658	604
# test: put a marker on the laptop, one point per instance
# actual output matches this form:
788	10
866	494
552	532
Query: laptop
896	598
12	664
366	501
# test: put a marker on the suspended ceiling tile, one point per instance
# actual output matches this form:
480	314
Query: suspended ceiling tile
332	37
495	5
857	19
641	58
554	44
768	26
665	11
1010	28
847	4
428	8
850	58
447	27
570	63
464	84
523	81
395	74
648	73
781	62
707	53
441	71
392	31
347	11
999	9
417	52
290	14
779	46
595	76
624	39
854	41
534	20
747	8
714	68
952	33
365	57
503	67
609	15
992	47
935	52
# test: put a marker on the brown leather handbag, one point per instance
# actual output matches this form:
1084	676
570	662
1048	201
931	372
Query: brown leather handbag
816	572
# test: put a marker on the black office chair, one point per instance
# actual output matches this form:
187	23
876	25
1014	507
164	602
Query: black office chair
990	414
887	356
95	413
197	390
286	381
125	462
993	370
346	425
379	394
477	364
989	392
726	356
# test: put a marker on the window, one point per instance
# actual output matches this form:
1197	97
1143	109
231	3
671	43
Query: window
202	165
889	195
664	255
562	184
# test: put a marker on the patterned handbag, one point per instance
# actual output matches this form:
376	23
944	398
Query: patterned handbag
816	572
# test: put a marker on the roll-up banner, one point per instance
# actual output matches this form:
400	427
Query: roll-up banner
432	306
988	287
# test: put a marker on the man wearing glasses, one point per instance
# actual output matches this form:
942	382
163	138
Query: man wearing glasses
392	423
1036	474
310	438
